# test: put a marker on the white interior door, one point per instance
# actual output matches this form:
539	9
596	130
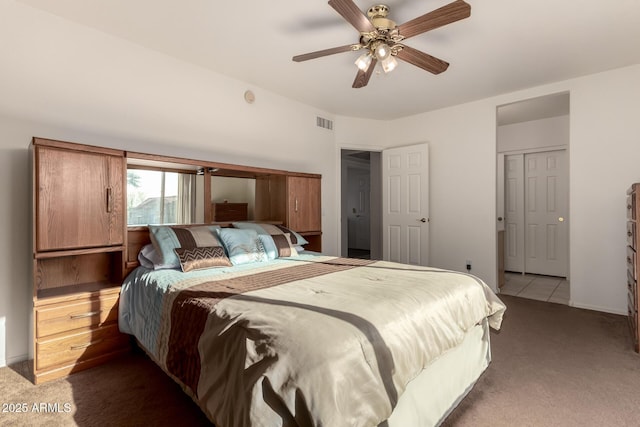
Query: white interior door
405	204
546	209
514	212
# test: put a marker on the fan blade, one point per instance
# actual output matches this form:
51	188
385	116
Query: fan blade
422	60
352	15
362	78
445	15
325	52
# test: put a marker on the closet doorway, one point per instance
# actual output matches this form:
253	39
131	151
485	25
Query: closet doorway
533	197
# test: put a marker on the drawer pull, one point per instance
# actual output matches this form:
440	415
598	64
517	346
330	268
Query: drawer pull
85	345
83	315
629	233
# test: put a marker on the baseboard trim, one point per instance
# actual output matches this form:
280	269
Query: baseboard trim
11	360
597	308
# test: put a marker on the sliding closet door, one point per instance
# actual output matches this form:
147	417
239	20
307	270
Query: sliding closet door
514	212
536	213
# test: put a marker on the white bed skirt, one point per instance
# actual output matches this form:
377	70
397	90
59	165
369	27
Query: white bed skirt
435	393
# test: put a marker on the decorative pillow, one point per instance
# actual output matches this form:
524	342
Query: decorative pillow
202	257
272	230
269	246
166	239
278	245
243	246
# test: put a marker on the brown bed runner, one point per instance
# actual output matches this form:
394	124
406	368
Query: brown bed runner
192	306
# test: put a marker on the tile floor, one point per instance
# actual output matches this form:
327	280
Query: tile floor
541	288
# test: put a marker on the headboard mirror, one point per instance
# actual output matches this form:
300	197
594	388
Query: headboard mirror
176	191
170	190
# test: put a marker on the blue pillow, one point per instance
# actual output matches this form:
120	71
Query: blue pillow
243	246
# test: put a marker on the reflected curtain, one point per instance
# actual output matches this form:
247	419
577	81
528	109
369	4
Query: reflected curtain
186	208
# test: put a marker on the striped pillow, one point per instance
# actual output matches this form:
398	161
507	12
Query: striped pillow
278	245
273	230
189	248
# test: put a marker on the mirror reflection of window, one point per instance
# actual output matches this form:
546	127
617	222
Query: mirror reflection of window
160	197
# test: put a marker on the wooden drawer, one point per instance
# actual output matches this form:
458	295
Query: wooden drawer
65	317
229	212
631	262
80	346
631	234
631	206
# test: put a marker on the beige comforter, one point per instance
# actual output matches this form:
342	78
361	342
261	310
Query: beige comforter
334	347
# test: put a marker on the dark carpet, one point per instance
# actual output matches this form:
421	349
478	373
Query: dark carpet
552	365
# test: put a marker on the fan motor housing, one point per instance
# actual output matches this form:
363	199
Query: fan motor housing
378	16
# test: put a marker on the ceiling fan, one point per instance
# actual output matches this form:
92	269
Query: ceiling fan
381	39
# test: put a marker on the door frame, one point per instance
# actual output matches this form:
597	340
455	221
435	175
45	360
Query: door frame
375	200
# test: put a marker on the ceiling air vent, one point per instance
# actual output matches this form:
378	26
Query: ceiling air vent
324	123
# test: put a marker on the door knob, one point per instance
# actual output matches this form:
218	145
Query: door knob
423	220
499	218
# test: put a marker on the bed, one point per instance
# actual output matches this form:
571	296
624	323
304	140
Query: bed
310	340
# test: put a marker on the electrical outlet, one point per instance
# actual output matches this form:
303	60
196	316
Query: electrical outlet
469	265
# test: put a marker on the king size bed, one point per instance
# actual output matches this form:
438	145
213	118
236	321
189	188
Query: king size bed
287	338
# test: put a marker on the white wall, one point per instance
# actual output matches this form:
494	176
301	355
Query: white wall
604	160
534	134
64	81
462	194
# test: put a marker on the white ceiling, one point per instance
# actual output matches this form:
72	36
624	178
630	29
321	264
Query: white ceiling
504	46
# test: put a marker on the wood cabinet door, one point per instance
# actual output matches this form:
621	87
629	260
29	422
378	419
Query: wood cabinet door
80	199
304	204
271	198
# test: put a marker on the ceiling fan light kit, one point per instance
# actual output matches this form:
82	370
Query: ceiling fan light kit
381	38
364	61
